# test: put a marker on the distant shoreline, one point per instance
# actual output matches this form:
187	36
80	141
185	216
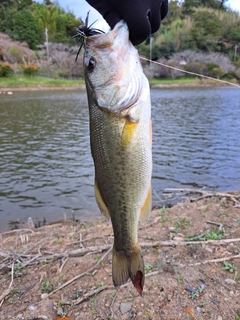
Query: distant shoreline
54	88
83	88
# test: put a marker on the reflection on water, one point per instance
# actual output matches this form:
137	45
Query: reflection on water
45	163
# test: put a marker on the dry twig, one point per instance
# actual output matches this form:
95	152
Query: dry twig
90	294
206	194
8	290
82	274
211	261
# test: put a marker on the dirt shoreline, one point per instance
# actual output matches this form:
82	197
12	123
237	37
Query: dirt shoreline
62	271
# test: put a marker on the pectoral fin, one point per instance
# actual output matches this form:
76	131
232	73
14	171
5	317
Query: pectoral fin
147	207
103	208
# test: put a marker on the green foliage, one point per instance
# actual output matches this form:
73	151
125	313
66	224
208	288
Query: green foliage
25	28
30	69
216	73
229	267
47	287
190	25
5	70
190	5
208	21
206	27
14	51
18	270
148	267
60	25
230	75
214	70
26	21
196	67
232	33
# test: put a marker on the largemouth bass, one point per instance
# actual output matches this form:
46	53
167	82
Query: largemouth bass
120	135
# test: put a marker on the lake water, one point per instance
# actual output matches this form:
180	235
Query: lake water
46	167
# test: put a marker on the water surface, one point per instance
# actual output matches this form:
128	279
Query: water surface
46	167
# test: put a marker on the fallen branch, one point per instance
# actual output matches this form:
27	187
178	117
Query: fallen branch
40	257
206	194
80	241
38	317
185	243
220	225
17	231
82	274
113	301
6	292
90	294
210	261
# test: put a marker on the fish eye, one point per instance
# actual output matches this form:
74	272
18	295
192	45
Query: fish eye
91	64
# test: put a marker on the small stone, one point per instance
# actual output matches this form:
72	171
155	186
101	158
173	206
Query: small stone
169	297
44	296
199	309
125	307
209	249
171	228
231	281
219	318
202	286
31	307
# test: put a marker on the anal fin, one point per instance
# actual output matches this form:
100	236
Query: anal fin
102	207
147	206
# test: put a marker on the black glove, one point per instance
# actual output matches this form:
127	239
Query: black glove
143	17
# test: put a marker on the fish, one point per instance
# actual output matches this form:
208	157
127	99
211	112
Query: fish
121	144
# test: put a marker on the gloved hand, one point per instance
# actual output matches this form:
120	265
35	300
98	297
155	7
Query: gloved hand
143	17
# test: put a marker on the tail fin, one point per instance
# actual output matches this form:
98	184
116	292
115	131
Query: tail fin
128	266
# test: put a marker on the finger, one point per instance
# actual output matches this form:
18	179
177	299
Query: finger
107	10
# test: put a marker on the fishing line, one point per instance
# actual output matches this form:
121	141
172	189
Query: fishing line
189	72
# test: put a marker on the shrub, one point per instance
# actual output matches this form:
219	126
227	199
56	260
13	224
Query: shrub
214	70
5	69
196	67
231	75
216	73
15	52
30	69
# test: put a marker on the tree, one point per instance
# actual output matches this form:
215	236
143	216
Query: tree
232	33
60	25
208	21
190	5
25	28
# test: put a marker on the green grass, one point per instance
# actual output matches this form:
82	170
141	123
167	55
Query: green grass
178	81
21	81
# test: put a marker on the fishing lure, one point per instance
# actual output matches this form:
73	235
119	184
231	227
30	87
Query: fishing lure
84	31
